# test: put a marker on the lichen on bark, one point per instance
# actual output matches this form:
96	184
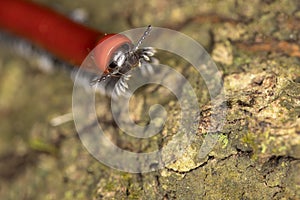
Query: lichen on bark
257	154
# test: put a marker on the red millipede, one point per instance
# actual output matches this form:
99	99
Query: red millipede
56	33
114	54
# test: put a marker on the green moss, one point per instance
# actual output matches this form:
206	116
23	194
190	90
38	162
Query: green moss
42	146
224	140
249	139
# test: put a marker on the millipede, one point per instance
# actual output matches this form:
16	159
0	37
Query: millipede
114	54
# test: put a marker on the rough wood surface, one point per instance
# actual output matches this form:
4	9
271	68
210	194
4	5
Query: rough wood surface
256	47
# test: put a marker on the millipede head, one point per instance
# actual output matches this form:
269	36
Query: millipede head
116	55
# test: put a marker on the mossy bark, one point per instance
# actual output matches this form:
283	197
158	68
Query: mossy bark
257	155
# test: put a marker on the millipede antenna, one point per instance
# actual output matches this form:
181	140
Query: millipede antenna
140	41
